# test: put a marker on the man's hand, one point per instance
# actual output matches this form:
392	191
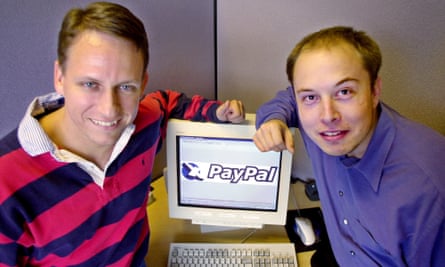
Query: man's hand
274	135
231	110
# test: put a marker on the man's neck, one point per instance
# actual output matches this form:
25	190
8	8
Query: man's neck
51	124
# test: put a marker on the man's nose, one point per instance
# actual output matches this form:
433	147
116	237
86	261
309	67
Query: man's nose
109	103
330	112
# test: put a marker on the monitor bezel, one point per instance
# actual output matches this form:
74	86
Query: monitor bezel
215	215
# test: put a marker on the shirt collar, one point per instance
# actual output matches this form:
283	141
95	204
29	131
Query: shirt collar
31	136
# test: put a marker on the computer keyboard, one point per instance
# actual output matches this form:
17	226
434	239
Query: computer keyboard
232	255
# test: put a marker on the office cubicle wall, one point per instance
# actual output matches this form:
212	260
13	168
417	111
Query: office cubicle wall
255	37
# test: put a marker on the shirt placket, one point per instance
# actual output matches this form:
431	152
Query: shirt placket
346	216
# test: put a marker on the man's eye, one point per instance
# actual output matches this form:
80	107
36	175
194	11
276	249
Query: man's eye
344	92
128	88
90	84
309	99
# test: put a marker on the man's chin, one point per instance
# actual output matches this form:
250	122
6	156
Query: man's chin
105	140
334	150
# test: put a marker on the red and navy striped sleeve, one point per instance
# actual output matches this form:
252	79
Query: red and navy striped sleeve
167	104
178	105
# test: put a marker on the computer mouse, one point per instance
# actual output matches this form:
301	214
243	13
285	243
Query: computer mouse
303	228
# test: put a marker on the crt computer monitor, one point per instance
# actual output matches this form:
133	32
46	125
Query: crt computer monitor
216	176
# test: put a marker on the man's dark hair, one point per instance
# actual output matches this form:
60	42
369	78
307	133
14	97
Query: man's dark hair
103	17
365	45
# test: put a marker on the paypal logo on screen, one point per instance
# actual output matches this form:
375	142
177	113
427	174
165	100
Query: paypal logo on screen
193	171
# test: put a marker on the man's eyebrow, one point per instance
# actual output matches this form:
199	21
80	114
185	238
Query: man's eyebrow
347	79
129	82
303	90
86	78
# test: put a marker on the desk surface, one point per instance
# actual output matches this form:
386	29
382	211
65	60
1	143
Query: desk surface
165	230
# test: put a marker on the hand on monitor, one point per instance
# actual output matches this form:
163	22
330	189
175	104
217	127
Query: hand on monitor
274	135
232	111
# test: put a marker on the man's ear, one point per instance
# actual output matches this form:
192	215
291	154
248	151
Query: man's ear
376	91
58	77
144	83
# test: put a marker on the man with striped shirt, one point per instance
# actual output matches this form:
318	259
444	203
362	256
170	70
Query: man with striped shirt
75	174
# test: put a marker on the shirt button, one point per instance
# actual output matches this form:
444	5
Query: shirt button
352	253
340	193
345	221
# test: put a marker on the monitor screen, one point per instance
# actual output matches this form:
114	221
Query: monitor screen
217	176
226	173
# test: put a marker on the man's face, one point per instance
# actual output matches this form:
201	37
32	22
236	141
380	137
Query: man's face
336	104
102	83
